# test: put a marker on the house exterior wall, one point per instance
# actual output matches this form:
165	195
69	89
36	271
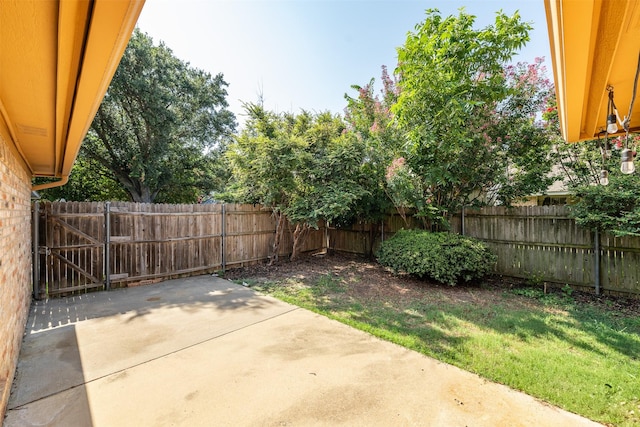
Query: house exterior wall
15	264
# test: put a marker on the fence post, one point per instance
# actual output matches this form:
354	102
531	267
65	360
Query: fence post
107	245
326	237
223	232
596	254
462	221
36	249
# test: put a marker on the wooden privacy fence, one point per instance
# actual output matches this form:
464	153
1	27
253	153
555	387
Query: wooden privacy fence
81	246
544	244
539	243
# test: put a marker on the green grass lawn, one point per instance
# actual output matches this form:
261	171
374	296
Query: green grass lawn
581	357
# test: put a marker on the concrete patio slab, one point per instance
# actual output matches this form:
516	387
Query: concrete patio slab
203	351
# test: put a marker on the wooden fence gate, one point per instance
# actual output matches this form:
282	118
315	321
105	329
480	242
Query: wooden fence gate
69	247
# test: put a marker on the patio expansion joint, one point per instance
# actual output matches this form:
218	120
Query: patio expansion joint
18	407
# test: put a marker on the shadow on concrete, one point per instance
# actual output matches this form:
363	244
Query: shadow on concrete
188	294
71	342
36	382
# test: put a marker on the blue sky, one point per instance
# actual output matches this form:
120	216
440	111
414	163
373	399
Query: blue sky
306	54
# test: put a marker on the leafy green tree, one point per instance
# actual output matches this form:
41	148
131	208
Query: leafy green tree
162	126
613	208
369	117
266	163
88	182
406	191
576	164
304	167
335	182
470	118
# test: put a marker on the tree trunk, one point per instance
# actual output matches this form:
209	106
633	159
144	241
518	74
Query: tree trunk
299	235
373	237
139	193
403	214
280	219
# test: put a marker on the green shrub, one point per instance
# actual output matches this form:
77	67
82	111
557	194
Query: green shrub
444	257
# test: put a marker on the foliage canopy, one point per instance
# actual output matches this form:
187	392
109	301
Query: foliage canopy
162	125
613	208
470	118
88	182
305	167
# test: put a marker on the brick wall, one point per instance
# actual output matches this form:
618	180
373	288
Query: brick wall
15	264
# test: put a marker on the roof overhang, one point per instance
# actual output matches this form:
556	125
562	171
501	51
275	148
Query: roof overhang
594	44
57	58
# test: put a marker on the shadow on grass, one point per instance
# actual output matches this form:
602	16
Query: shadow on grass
579	356
587	329
442	328
581	359
407	330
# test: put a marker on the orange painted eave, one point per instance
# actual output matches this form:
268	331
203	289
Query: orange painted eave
594	44
57	59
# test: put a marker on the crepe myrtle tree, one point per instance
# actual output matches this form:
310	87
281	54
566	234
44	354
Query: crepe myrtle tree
368	116
469	116
304	167
266	163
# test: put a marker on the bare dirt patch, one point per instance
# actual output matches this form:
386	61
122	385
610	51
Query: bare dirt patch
368	280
